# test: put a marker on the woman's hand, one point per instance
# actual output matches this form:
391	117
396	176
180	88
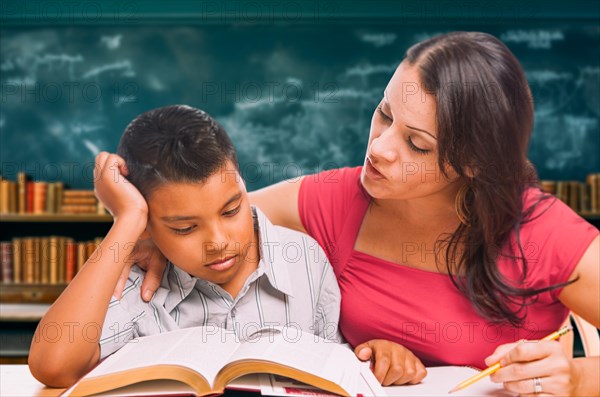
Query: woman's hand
116	193
149	258
526	364
393	363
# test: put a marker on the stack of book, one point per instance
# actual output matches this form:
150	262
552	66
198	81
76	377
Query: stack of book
582	197
44	260
25	196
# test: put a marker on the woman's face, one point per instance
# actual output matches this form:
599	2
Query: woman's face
402	155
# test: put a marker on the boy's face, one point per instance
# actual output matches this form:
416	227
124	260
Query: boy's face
206	229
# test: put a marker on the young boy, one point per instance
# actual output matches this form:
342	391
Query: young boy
228	265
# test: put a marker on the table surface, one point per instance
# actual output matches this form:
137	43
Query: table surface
17	381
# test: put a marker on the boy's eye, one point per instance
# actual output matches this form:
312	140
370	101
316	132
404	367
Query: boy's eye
184	231
233	211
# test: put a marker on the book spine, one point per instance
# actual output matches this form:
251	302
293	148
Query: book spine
37	264
28	256
574	196
13	197
71	259
59	190
584	197
79	201
30	192
46	257
17	260
597	193
79	209
593	186
39	197
6	257
548	186
53	274
22	183
81	255
51	199
4	193
62	262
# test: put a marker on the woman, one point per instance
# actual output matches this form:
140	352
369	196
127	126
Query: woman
442	243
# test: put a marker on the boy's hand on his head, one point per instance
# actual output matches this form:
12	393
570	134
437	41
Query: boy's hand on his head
149	258
117	194
393	364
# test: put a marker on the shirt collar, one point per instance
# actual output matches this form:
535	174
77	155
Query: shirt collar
272	263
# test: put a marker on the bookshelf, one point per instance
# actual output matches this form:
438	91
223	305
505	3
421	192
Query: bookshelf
23	304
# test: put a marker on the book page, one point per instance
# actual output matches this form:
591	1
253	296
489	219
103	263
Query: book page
203	349
305	352
440	380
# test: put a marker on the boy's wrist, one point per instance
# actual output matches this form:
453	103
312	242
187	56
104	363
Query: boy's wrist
135	220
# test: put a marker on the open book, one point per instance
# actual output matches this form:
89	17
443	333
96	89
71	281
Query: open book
204	360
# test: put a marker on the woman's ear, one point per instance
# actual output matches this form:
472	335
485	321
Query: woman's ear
469	172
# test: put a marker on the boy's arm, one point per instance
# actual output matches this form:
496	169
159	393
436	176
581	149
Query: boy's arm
65	344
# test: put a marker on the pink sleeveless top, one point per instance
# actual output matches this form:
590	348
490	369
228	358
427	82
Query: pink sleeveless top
423	310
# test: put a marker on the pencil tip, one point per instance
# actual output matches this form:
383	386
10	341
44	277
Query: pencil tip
453	390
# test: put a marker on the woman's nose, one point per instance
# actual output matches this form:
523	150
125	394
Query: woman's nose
383	148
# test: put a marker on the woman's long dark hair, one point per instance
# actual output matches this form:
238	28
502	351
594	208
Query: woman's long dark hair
484	120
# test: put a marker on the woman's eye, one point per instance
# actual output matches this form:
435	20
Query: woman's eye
184	231
415	148
383	115
232	212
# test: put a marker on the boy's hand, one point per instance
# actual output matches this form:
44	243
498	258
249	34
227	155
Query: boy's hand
393	363
117	194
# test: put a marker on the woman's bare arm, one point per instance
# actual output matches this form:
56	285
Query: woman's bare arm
279	202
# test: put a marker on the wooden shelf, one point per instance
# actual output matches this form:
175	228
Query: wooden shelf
22	311
589	215
101	218
30	293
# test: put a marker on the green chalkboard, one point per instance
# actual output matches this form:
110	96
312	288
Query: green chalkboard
296	94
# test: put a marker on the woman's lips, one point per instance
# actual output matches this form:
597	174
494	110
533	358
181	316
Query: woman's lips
223	265
372	171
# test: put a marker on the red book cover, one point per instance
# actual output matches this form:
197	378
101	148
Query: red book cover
71	260
29	207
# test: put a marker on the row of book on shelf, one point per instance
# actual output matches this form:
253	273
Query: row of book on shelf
582	197
44	260
25	196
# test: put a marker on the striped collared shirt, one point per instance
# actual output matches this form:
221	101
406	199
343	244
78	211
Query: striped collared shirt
293	285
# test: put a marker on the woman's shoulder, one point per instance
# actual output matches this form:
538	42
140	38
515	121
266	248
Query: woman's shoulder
336	178
552	238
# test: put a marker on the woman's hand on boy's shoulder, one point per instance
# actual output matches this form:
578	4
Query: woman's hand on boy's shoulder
149	258
392	363
118	195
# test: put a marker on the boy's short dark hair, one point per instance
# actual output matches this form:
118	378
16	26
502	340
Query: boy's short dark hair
175	143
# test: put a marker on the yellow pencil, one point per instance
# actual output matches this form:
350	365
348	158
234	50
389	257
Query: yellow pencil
490	370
